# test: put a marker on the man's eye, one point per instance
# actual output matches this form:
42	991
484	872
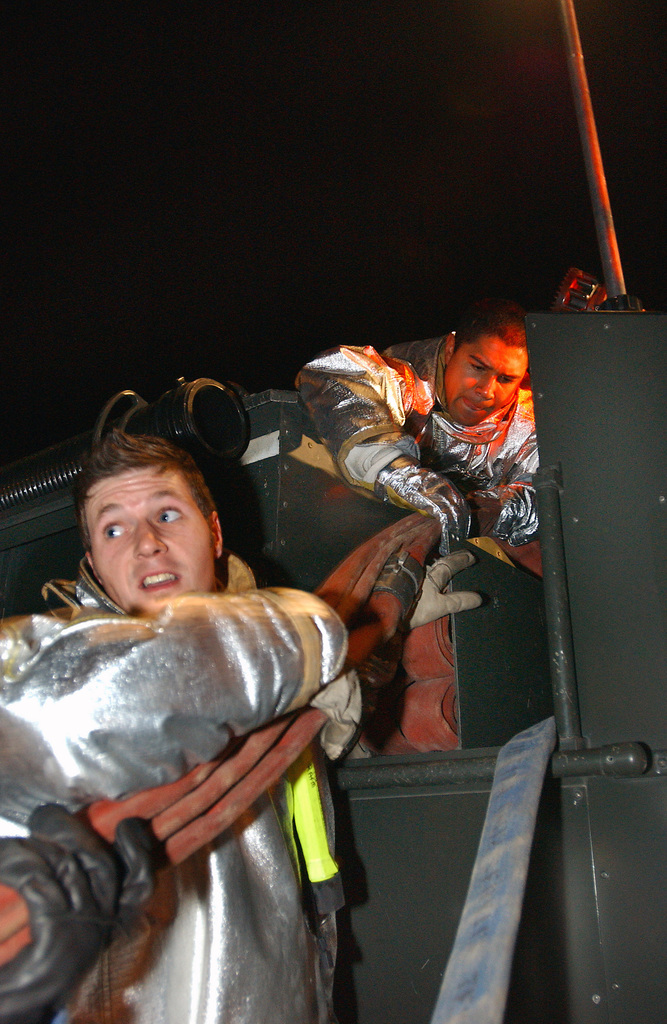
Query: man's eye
169	515
112	531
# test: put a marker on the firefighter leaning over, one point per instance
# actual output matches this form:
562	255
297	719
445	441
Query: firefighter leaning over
443	426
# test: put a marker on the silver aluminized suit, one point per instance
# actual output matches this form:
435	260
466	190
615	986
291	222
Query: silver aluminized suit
381	419
104	705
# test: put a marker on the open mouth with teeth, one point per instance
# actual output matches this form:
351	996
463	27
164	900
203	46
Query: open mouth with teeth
158	579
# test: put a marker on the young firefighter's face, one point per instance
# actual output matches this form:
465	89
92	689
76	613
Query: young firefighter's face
149	541
481	377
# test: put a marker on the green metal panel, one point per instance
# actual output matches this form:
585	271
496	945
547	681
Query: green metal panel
39	541
407	855
629	843
600	407
415	850
504	685
599	382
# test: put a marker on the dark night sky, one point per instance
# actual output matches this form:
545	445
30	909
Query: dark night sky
223	189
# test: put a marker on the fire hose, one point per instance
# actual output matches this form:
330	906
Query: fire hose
476	981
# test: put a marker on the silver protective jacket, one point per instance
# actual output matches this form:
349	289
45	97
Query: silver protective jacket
104	705
371	410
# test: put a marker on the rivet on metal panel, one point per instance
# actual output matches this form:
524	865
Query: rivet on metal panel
604	874
615	986
597	999
577	796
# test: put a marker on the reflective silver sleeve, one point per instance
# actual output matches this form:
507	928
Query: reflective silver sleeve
518	522
407	484
105	705
344	397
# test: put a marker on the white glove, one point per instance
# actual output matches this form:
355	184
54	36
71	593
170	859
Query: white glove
341	702
432	603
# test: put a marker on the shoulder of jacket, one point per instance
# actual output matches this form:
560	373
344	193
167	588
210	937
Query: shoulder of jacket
421	355
238	576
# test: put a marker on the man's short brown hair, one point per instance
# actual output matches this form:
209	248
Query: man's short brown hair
500	318
119	452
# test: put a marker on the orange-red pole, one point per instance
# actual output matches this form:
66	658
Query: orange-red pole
604	224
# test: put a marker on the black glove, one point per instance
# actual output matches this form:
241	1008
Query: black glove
77	889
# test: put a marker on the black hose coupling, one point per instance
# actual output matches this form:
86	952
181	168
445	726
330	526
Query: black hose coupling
402	576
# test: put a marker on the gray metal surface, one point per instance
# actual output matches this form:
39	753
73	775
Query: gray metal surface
629	844
503	686
407	856
414	852
599	383
37	541
600	409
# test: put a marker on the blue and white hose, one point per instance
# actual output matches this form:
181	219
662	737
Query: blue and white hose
474	988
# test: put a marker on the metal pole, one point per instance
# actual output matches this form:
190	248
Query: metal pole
604	224
627	760
557	603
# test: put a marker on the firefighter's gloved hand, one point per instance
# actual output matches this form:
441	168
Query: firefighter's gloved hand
432	602
341	702
406	483
77	889
508	512
135	845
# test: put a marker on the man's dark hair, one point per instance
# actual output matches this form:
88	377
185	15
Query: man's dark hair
119	452
497	317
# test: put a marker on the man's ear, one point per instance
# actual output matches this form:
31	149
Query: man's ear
92	566
216	533
450	341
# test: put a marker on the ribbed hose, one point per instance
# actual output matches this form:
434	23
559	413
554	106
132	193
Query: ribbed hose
202	416
50	470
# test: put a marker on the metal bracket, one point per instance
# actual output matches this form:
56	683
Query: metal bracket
621	760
